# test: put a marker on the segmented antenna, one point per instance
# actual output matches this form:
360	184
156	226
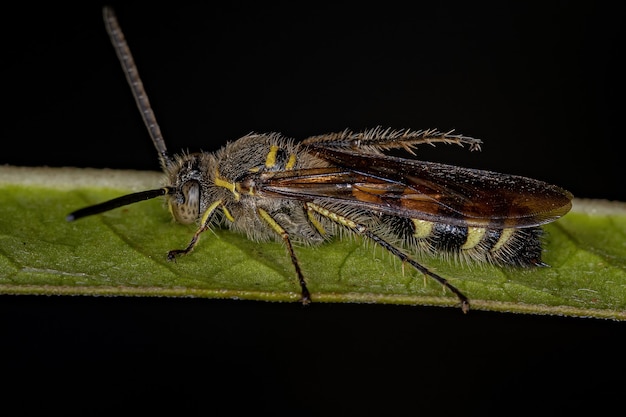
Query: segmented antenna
132	76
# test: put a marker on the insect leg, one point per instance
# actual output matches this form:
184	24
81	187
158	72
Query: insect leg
204	225
305	294
405	258
379	139
364	231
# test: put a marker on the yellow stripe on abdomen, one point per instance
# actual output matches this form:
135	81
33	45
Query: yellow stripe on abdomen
422	228
474	236
504	237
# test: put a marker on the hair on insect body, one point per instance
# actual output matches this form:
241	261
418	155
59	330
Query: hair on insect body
270	187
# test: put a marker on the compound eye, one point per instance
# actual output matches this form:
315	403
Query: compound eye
188	210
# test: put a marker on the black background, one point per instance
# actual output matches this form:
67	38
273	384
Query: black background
537	82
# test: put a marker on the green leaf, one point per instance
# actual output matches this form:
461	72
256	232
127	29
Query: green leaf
123	252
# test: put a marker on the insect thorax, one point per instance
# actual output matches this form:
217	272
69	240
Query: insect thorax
225	180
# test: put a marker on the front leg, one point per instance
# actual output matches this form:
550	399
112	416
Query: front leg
204	225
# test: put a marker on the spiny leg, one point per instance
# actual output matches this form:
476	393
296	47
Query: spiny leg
364	231
305	298
384	139
405	258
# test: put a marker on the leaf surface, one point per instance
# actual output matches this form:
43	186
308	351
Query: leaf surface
123	252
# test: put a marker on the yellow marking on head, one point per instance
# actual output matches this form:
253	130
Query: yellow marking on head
504	237
221	182
423	228
474	236
254	169
291	162
270	161
338	218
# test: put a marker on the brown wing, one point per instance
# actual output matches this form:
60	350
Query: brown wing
423	190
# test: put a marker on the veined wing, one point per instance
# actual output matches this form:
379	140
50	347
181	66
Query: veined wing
422	190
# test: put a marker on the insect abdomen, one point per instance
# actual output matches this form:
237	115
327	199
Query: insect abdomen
500	246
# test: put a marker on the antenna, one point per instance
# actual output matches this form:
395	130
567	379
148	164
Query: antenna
141	98
117	202
132	76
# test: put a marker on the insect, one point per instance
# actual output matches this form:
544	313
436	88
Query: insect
272	188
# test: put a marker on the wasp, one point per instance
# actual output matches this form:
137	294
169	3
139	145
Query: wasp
270	187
